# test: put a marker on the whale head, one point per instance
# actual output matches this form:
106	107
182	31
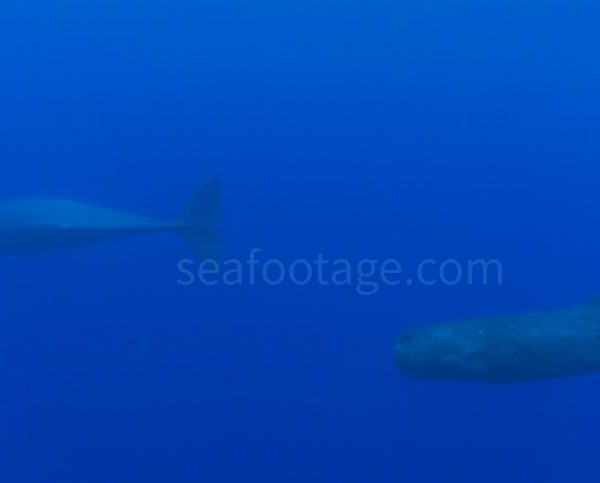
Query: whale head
441	352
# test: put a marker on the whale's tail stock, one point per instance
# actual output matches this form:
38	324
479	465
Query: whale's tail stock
202	221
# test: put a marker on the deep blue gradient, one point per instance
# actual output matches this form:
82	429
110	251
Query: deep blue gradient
407	129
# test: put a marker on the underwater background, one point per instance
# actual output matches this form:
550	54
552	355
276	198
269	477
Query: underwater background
409	130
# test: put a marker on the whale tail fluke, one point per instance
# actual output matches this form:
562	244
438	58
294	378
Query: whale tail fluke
202	221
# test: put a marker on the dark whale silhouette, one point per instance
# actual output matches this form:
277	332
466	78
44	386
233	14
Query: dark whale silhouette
32	225
506	349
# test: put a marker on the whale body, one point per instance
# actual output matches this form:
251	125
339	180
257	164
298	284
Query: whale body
37	225
505	349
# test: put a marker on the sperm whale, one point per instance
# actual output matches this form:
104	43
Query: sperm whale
505	349
37	225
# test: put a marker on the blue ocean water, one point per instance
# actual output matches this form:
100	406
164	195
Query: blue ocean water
437	130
